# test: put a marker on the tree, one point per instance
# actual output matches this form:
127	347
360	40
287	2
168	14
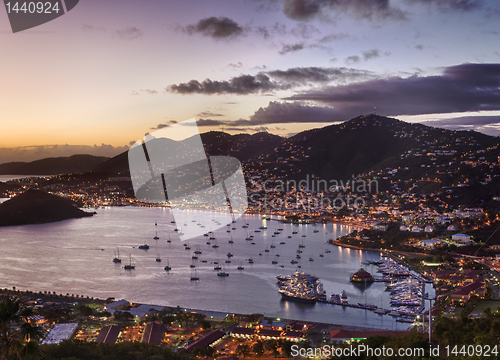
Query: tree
18	337
273	346
258	348
243	349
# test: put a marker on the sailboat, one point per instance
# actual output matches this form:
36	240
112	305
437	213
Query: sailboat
129	266
156	236
117	259
158	258
231	241
218	267
222	273
169	241
167	268
194	276
241	266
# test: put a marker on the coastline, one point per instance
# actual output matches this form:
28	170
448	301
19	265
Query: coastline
337	243
60	299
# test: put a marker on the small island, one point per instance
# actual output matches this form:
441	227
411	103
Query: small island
38	207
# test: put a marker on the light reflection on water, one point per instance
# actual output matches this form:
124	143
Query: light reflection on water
75	257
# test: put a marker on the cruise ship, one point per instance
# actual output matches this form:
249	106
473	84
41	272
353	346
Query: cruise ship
301	287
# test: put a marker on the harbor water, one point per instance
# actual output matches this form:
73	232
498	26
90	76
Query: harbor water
75	257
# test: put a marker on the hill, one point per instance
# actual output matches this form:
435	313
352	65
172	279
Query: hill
242	146
51	166
37	207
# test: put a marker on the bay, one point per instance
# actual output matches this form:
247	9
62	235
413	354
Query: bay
75	257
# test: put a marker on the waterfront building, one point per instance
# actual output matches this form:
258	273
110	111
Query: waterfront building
154	333
60	332
209	338
350	336
465	293
362	276
108	334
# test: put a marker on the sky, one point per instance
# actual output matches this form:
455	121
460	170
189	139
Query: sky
110	71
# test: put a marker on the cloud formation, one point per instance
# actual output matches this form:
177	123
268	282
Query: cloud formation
466	87
304	10
485	124
303	75
269	81
240	85
454	5
129	33
280	113
288	48
216	28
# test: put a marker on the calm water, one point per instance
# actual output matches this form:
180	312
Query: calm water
75	257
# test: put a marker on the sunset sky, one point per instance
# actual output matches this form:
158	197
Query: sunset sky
110	71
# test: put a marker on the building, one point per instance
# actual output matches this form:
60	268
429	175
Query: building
108	334
362	276
429	228
117	305
355	336
60	332
465	293
210	338
416	229
154	333
430	243
461	238
380	227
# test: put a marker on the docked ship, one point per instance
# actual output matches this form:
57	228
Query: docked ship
301	287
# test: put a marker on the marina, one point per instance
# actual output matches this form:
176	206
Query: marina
76	257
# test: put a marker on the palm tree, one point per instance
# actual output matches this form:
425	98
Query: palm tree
18	337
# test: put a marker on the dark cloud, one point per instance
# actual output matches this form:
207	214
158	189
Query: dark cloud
461	88
352	59
235	66
161	126
371	54
129	33
86	27
486	124
265	82
216	27
279	113
240	85
150	91
334	37
317	74
292	112
208	113
454	5
465	121
211	122
419	47
304	31
287	48
304	10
